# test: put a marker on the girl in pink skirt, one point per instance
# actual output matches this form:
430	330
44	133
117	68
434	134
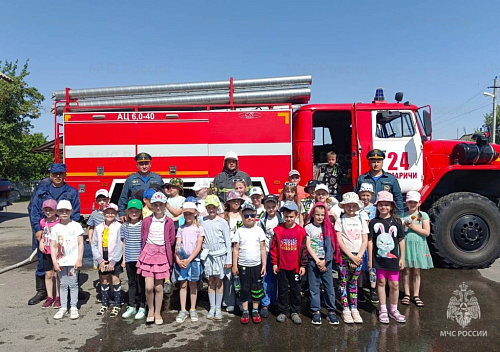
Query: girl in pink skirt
155	261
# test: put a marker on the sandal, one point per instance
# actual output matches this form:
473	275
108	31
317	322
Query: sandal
406	300
383	317
418	302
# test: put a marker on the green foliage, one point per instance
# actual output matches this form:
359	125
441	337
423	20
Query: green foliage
488	121
19	105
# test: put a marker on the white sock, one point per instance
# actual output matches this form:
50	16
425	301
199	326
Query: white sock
218	300
211	298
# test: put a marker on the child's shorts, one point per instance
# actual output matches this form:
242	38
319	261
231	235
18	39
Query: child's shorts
117	270
387	274
47	262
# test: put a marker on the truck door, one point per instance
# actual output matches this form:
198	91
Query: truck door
397	134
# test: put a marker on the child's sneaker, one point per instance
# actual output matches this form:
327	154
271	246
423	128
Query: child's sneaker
73	313
102	311
264	312
361	295
400	318
141	314
114	312
374	295
48	302
60	313
245	317
193	314
211	313
181	316
230	309
281	318
296	319
129	312
347	316
356	317
256	316
332	318
218	314
57	303
316	319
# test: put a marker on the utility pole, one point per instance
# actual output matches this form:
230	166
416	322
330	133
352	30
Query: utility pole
495	110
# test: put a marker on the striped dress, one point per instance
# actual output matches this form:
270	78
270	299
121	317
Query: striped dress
218	242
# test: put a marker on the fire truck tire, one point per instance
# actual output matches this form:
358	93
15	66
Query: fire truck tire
464	230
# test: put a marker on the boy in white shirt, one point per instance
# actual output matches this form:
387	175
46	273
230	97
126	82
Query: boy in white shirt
249	253
66	248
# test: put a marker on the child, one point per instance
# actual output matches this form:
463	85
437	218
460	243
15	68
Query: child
234	218
307	203
155	261
256	196
272	218
173	207
250	256
130	233
147	209
322	247
240	186
218	259
332	173
67	254
352	234
417	255
289	256
107	250
51	219
97	217
321	195
289	194
367	212
188	265
386	247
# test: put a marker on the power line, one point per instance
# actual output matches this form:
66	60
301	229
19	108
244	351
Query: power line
465	113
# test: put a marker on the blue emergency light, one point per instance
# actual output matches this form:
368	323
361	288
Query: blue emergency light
379	94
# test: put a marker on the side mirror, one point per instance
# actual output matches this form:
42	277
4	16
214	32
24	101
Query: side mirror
427	123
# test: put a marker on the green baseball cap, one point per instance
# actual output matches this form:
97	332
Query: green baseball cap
134	203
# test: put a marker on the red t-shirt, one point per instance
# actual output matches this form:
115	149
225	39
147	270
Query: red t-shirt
287	246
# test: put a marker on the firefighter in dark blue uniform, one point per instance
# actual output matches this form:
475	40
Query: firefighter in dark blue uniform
142	179
56	189
381	180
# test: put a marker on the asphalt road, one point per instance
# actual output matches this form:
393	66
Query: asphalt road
29	328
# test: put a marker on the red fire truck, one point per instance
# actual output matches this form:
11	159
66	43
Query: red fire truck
188	128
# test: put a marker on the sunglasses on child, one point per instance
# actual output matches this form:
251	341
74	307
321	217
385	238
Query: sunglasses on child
290	184
252	216
238	180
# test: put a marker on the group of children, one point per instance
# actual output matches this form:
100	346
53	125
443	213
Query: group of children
253	251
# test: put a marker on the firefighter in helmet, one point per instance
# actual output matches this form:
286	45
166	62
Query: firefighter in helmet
224	181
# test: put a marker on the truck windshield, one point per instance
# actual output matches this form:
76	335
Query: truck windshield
400	125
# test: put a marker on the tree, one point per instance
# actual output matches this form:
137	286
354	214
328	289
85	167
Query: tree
488	122
19	105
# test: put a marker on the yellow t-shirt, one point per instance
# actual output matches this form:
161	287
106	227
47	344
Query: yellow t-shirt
146	212
105	235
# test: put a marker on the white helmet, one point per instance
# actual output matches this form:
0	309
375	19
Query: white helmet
231	155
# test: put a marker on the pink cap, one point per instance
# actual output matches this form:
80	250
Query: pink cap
384	196
413	196
110	206
50	203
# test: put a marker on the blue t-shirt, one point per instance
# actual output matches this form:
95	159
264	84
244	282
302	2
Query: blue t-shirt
95	218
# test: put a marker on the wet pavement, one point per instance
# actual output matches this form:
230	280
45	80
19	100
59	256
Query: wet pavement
24	327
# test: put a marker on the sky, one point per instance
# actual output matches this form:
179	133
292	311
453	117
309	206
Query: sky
439	53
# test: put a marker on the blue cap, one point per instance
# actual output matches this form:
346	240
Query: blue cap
54	168
148	193
192	199
290	206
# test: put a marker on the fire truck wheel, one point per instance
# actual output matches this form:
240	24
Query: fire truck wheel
464	230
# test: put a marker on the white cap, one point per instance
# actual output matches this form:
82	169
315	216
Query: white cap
255	190
102	192
366	187
64	204
158	197
413	196
323	187
200	184
231	155
293	172
188	206
111	206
